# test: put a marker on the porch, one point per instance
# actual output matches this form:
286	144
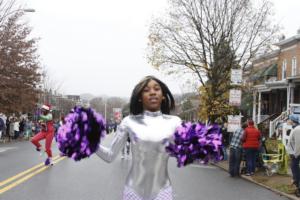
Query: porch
272	102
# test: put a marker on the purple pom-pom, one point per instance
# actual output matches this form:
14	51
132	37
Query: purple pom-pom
80	136
196	142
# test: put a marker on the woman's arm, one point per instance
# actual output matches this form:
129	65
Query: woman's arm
109	154
244	136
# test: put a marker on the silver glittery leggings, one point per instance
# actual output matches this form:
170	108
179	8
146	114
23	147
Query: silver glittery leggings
164	194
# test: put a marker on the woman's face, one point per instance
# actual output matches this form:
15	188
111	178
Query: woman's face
45	112
152	96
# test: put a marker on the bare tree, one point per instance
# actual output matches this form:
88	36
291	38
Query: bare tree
209	38
7	8
106	105
98	104
114	102
48	83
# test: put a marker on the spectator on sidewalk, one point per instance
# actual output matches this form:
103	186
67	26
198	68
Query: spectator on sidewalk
126	150
7	123
28	129
36	128
16	128
251	144
235	151
225	139
22	127
2	127
57	125
11	134
293	149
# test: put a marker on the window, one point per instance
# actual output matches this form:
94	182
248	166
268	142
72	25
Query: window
283	70
294	66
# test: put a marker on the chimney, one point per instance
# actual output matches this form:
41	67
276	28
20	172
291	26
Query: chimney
281	37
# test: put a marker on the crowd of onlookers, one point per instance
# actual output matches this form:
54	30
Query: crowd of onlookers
15	128
23	127
247	144
243	144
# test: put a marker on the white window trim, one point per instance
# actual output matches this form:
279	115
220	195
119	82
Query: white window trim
283	70
294	66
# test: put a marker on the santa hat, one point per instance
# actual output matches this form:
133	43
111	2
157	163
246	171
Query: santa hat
46	107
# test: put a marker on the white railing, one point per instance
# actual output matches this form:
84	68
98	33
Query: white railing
263	117
272	128
258	119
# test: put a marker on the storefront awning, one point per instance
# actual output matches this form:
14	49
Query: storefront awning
258	75
271	71
261	74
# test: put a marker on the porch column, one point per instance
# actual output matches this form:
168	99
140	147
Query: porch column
292	94
288	94
254	107
259	108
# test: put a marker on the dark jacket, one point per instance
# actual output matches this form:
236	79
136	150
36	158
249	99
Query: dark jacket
225	136
2	124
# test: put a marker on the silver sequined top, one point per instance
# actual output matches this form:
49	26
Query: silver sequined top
149	133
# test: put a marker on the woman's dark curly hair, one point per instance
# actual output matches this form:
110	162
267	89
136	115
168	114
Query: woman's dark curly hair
136	106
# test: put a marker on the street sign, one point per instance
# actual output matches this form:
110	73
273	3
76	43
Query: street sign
236	77
234	122
235	97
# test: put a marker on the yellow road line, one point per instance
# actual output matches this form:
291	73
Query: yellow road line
25	178
23	173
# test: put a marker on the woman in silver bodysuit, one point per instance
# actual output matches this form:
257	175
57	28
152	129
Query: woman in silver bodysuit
150	128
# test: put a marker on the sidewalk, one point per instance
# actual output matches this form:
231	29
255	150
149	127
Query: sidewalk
280	184
6	141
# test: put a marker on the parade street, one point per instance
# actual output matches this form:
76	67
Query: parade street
22	178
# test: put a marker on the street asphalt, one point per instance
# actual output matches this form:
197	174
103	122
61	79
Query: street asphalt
93	179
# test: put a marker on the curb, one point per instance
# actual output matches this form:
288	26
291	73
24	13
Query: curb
262	185
13	141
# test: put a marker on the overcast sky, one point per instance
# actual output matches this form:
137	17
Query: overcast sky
99	47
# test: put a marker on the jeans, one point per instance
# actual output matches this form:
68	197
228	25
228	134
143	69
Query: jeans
251	155
295	170
224	149
234	161
16	134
